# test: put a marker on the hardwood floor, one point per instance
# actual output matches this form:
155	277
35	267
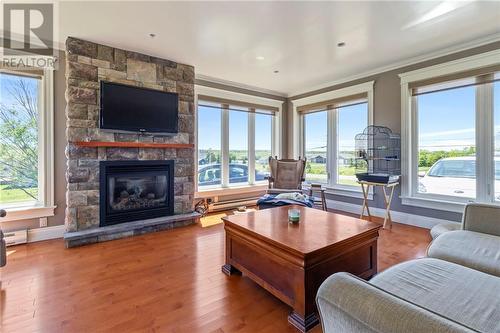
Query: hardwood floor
168	281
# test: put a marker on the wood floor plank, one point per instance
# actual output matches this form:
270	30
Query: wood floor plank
169	281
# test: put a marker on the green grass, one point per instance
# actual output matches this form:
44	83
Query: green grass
15	195
423	169
316	172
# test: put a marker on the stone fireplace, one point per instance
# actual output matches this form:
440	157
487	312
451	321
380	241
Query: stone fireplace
168	197
135	190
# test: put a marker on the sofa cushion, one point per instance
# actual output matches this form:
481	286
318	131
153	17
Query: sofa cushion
459	293
472	249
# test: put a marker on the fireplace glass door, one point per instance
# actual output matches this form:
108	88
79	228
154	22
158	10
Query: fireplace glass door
132	192
135	190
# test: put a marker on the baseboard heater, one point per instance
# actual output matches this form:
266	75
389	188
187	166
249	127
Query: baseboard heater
16	237
228	204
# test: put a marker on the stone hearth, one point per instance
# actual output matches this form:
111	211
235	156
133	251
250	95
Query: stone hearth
87	64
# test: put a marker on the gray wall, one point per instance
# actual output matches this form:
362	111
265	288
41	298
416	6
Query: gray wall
387	112
59	156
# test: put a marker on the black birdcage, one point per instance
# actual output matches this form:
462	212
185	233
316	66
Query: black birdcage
378	155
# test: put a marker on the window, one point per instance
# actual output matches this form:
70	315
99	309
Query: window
238	147
19	139
240	137
26	141
450	133
351	120
446	141
329	123
315	138
209	146
264	134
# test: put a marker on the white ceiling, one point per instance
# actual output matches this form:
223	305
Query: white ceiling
223	39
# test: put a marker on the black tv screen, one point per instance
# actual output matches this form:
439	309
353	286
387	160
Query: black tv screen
127	108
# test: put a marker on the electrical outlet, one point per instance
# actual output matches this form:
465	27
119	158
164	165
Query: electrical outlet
43	222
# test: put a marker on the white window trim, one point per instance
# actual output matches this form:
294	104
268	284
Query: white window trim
298	133
225	187
45	206
409	132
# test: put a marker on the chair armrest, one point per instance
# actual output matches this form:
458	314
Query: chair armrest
482	218
270	181
348	304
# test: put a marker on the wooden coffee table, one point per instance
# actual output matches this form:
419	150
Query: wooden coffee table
292	260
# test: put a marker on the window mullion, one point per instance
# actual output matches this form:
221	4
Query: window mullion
302	142
274	149
332	146
42	193
251	147
414	148
225	145
484	143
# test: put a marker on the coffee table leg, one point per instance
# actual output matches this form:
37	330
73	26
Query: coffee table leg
301	323
229	270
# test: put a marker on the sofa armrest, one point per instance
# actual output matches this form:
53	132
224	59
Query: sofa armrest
482	218
348	304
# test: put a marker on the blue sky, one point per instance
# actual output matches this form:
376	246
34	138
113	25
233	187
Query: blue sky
6	81
352	120
209	128
446	121
447	118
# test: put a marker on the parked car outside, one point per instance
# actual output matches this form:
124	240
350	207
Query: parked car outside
455	176
238	173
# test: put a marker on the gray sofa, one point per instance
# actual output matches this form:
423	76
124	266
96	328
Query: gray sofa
457	290
477	244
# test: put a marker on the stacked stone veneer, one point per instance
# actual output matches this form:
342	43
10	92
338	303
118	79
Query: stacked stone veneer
87	64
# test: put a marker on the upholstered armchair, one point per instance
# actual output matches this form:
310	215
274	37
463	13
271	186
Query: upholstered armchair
287	175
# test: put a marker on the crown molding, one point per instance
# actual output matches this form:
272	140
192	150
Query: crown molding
400	64
201	77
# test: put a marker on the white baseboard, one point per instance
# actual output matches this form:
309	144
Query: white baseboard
40	234
400	217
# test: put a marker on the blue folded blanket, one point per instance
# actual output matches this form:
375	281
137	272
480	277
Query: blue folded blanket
286	199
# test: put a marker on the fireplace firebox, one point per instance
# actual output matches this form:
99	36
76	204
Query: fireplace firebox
135	190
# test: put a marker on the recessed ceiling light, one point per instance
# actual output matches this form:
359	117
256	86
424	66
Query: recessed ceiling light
341	44
276	71
259	58
152	35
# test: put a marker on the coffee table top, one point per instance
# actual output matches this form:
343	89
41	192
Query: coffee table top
316	230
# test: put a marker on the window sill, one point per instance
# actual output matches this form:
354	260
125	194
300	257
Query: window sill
433	203
25	213
348	192
220	191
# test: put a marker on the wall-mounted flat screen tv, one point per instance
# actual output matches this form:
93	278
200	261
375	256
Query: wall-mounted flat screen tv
134	109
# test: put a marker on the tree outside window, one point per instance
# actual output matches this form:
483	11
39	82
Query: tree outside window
18	139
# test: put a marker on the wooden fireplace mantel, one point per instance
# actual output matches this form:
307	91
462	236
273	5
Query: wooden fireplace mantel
133	144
